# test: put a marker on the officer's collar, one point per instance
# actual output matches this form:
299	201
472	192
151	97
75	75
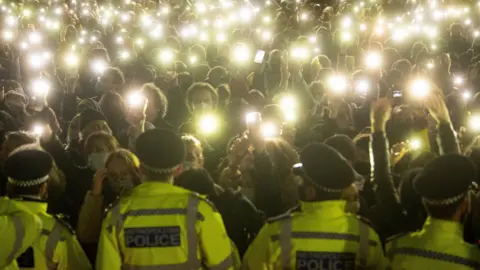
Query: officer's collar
448	226
34	205
331	206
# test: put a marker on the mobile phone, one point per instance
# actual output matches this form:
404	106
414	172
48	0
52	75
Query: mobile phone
259	56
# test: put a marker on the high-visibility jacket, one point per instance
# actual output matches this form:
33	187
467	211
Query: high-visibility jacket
56	247
161	226
320	235
18	229
439	245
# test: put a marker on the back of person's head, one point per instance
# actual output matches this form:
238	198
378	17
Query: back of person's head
185	80
444	186
157	101
114	76
161	153
218	75
15	139
327	171
200	72
403	65
200	52
224	93
196	180
344	145
112	105
180	67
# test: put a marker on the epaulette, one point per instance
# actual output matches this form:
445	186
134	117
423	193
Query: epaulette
366	221
206	200
61	219
396	236
110	206
279	217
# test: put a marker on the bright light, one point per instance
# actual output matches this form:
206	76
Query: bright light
167	56
467	95
347	22
99	66
346	36
363	27
135	99
124	55
40	87
457	80
8	35
252	117
35	38
362	86
338	83
474	122
288	102
208	124
373	60
415	144
269	131
420	88
193	59
300	53
476	33
221	37
38	130
71	59
430	65
241	53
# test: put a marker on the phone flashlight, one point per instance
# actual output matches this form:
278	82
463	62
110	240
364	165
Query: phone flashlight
208	124
474	122
361	87
135	99
38	130
420	88
252	118
270	131
415	144
40	87
373	60
338	83
259	56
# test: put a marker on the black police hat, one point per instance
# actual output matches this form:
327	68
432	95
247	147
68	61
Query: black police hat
28	168
446	179
160	150
326	167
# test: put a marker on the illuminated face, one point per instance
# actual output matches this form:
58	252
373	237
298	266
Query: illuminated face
202	101
195	156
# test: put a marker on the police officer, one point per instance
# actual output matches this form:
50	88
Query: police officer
56	247
320	234
444	186
161	226
18	229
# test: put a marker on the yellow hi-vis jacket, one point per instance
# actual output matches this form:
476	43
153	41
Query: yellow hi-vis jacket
439	245
321	236
56	247
161	226
18	229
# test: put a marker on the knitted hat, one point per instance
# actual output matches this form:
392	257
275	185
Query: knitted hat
88	116
28	168
326	167
446	179
160	151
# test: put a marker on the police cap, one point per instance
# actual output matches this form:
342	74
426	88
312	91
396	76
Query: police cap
445	180
326	167
28	168
160	150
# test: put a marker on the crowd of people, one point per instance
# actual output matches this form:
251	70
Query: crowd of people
228	134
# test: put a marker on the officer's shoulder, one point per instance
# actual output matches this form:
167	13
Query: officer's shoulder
62	221
397	236
204	199
366	221
289	214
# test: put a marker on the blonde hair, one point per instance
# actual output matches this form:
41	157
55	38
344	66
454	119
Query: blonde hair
125	155
104	137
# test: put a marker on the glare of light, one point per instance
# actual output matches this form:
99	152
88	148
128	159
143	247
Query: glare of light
8	35
266	35
347	22
221	37
467	95
269	130
58	11
166	56
40	87
362	86
156	33
35	38
312	39
316	50
139	41
124	55
476	33
71	59
241	53
457	80
165	10
338	83
193	59
304	16
24	45
11	21
38	130
201	8
146	20
434	47
268	2
125	17
346	36
379	30
363	27
415	144
299	53
27	13
245	14
467	22
373	60
474	122
135	99
288	102
208	124
36	60
93	39
430	65
420	88
251	117
267	19
99	66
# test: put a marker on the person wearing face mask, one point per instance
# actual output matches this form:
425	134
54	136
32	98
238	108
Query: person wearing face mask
320	226
116	179
56	247
444	185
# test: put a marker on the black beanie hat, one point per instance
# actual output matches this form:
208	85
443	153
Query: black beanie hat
160	150
326	167
344	145
446	179
90	115
28	168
